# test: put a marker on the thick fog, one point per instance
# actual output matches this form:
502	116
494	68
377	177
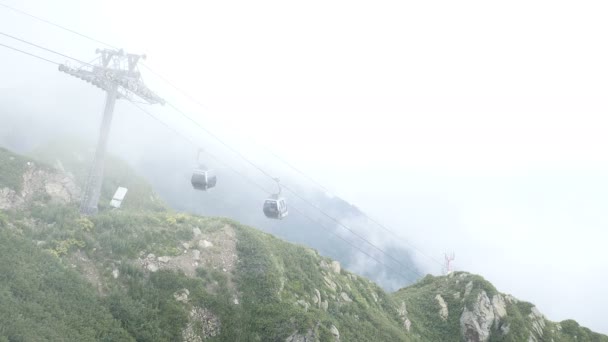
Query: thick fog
472	127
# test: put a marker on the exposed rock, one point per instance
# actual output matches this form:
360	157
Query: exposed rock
475	324
151	256
323	265
303	304
182	295
335	267
335	332
58	186
115	273
330	283
196	231
196	254
456	295
511	300
164	259
186	245
205	244
324	305
152	267
467	289
402	311
317	298
499	305
203	321
9	199
308	337
235	301
345	297
538	321
505	328
443	307
58	192
375	296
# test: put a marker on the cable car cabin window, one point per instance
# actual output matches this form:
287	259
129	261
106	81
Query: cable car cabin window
271	205
203	180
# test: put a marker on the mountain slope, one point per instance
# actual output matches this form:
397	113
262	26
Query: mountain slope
147	273
464	306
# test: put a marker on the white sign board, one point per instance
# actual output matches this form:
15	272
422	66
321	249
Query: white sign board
119	196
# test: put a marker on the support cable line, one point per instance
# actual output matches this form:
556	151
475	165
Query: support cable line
171	84
282	160
187	95
29	54
320	186
264	172
261	188
43	48
56	25
210	133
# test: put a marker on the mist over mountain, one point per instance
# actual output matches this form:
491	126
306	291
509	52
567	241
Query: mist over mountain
166	161
145	272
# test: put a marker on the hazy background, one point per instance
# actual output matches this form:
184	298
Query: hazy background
476	127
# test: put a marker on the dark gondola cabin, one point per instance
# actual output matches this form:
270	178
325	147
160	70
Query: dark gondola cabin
203	179
275	208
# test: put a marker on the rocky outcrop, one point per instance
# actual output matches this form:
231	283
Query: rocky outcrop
223	258
316	299
345	297
402	311
335	267
538	324
335	332
309	336
324	305
182	295
475	323
202	325
40	183
499	306
468	288
9	199
330	283
443	307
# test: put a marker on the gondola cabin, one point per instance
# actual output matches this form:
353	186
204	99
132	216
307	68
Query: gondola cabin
203	179
275	208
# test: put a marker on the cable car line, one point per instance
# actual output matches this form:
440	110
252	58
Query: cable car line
164	79
338	222
56	25
253	182
259	187
236	152
362	251
30	54
43	48
184	93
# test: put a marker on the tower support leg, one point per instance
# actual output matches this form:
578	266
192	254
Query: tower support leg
92	191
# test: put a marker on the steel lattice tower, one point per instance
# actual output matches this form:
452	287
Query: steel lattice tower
118	76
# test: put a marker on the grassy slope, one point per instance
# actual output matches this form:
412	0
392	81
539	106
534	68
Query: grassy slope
40	299
144	302
270	277
12	168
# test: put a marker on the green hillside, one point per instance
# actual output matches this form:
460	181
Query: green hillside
147	273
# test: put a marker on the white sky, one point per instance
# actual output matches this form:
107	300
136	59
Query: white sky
473	126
